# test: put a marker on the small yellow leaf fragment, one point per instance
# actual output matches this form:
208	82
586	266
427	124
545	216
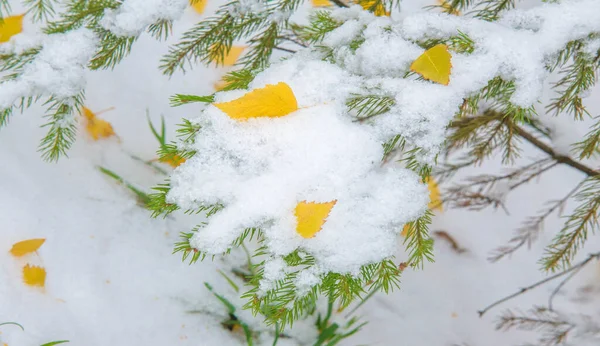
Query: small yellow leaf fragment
97	128
173	161
321	3
11	26
311	216
435	201
233	55
198	5
434	64
379	7
24	247
271	101
34	275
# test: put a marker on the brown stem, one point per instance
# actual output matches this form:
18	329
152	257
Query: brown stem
574	268
538	144
556	156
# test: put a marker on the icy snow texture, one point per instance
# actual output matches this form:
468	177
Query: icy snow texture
262	168
133	16
58	69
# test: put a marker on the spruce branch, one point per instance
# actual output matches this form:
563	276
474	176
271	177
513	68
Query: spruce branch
583	220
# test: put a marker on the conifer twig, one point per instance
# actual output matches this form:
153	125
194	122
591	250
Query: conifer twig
574	269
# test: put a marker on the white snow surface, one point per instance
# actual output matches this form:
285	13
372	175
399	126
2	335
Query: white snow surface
112	280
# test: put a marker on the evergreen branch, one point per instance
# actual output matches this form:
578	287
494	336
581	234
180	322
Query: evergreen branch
79	13
418	242
113	49
61	124
261	47
321	23
585	218
539	283
368	106
492	9
239	79
161	30
180	99
554	327
466	135
40	9
157	202
529	231
578	78
590	145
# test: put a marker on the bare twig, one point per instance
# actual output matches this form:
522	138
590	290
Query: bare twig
576	267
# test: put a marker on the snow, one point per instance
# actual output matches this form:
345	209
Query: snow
58	69
96	233
133	16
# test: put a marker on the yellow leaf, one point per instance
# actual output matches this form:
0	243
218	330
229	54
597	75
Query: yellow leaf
435	201
311	216
271	101
10	27
233	55
434	64
379	7
198	6
96	127
174	161
24	247
34	275
321	3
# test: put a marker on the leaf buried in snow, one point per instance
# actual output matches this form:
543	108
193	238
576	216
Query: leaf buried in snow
311	216
11	26
271	101
434	64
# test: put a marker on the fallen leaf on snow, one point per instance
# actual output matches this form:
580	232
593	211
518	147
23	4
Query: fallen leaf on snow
24	247
271	101
34	275
434	64
97	128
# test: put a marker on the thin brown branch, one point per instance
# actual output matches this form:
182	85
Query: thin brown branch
576	267
537	143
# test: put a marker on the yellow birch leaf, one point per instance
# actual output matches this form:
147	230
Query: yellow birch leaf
271	101
379	7
435	201
321	3
434	64
34	275
24	247
233	55
198	6
96	127
11	26
311	216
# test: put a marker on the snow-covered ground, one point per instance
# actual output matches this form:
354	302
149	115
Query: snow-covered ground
111	277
